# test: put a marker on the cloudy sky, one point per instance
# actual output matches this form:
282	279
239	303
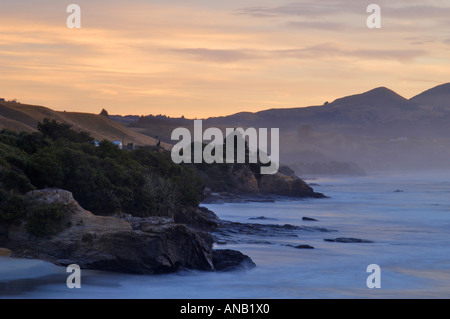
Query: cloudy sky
201	58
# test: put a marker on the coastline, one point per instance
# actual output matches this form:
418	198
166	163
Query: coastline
408	246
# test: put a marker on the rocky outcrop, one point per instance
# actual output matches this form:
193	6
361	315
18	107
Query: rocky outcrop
284	185
244	179
132	245
248	187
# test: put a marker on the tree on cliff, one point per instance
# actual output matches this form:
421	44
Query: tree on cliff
59	130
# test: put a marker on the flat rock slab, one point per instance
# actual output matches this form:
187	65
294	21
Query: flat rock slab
304	247
348	240
300	246
262	218
235	232
309	219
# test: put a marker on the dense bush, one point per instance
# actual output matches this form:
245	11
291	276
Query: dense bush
57	130
13	208
45	220
41	220
103	179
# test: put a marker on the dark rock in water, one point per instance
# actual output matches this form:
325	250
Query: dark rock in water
399	191
228	259
234	232
300	246
304	247
262	218
348	240
199	218
309	219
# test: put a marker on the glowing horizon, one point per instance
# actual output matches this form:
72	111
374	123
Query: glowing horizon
201	59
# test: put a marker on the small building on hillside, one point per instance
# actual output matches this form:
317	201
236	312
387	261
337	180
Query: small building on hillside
118	144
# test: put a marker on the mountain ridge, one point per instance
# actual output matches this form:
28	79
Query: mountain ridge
437	97
376	129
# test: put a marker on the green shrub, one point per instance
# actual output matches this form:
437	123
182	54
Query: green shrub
45	170
103	179
57	130
30	143
15	179
45	220
13	208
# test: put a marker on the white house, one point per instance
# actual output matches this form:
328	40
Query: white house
118	144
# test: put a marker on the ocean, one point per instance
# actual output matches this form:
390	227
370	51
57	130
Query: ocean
406	216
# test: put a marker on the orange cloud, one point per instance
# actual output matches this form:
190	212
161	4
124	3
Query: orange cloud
177	59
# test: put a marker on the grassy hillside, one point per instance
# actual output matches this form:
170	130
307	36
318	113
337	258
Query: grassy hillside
23	117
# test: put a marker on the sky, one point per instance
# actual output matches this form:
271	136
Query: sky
203	58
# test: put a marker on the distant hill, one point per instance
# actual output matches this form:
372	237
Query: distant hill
377	129
437	98
24	117
378	112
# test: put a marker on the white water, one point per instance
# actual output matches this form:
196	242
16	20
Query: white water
410	230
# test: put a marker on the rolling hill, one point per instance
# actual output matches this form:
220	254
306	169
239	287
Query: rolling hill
377	129
23	117
437	98
378	112
373	130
